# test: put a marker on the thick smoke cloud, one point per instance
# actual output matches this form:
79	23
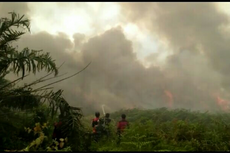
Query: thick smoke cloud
192	30
18	7
117	79
190	78
187	26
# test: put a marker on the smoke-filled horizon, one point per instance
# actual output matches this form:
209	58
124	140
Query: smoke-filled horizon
149	55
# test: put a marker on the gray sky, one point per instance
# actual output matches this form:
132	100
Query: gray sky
146	55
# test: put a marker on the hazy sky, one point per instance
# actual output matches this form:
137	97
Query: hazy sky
146	55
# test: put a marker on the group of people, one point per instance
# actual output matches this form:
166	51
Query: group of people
100	125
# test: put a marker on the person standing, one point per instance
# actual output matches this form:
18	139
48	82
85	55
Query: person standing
122	124
95	121
107	121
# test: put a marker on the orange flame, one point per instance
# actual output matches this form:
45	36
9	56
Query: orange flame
224	104
130	106
170	98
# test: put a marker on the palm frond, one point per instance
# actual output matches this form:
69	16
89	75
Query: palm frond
25	60
7	34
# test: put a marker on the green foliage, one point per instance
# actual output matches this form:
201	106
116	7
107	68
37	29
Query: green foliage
41	143
13	125
10	57
25	103
170	130
6	33
150	130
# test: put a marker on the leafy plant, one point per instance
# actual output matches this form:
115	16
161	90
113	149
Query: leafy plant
25	99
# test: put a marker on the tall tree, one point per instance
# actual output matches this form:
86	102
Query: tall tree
25	61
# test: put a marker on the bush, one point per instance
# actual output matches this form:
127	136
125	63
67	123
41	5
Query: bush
169	130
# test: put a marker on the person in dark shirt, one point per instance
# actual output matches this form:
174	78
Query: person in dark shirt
100	130
107	119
